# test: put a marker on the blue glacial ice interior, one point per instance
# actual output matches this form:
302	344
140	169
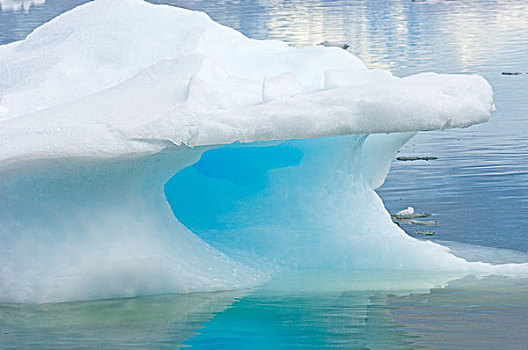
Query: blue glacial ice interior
293	203
103	228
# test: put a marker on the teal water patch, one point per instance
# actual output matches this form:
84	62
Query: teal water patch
327	311
347	320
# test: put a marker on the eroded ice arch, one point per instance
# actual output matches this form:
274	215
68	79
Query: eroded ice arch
101	106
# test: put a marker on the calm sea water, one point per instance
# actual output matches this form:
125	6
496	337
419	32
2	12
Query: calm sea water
477	190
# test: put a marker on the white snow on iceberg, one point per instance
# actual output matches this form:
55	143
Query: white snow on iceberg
101	106
109	77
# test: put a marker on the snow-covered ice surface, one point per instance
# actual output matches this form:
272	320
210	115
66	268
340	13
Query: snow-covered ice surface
196	82
101	106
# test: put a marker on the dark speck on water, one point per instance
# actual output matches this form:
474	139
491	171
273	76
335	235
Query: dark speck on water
405	159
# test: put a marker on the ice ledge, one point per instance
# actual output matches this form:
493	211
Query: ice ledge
164	74
416	103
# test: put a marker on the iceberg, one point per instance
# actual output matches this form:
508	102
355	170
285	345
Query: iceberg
269	155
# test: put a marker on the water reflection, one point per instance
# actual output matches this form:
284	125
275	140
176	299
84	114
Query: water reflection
404	36
389	34
469	314
346	320
458	317
15	5
16	25
309	310
144	323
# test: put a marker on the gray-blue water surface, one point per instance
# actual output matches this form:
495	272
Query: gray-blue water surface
477	189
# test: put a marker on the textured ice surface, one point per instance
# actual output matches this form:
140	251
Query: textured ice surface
66	89
101	106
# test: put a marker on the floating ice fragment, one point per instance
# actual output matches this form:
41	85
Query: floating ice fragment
409	213
426	233
326	43
424	222
405	213
420	215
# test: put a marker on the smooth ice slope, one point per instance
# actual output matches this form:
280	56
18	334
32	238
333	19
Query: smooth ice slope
101	106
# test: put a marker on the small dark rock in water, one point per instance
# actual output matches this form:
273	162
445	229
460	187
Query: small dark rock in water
511	73
344	46
405	159
427	233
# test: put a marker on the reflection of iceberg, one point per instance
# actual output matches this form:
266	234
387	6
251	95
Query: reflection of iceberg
16	5
98	116
156	322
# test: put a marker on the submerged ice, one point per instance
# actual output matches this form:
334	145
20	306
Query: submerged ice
276	150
